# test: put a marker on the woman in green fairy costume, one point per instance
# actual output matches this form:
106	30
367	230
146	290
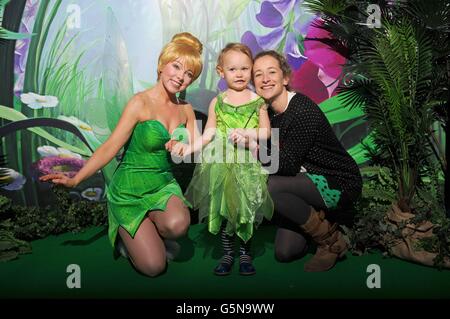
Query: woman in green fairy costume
229	185
146	206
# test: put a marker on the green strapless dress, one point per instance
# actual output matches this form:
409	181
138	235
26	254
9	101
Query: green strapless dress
143	180
229	185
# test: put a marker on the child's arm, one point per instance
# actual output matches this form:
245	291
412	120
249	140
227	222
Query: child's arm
263	132
198	141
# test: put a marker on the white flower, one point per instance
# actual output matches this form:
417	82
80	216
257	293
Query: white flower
14	180
73	120
36	101
92	193
47	150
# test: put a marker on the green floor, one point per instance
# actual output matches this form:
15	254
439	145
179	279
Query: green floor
42	274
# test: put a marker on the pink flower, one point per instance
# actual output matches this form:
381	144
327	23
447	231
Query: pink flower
321	54
306	81
319	77
69	166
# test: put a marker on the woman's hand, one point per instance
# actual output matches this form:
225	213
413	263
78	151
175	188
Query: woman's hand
59	179
253	146
181	150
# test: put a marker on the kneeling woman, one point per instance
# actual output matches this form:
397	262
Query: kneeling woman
145	203
316	174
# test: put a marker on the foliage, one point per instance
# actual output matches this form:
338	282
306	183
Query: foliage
5	33
393	71
371	227
62	76
19	224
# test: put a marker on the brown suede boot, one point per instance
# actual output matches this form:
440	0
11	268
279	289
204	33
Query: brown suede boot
330	242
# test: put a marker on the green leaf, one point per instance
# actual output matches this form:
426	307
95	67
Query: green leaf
328	7
215	35
358	152
236	10
9	35
13	115
354	124
117	79
336	112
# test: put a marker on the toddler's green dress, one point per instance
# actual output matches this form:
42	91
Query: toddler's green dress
143	180
230	184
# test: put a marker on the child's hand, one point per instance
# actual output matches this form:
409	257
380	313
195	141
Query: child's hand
238	136
181	150
59	179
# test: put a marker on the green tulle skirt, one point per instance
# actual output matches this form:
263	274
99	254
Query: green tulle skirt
232	191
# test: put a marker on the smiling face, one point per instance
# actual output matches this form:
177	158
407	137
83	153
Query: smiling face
175	76
236	70
269	80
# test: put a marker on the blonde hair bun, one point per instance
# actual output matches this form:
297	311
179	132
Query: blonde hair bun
188	39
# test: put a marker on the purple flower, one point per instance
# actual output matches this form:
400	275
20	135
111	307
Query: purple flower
21	50
288	21
69	166
272	13
31	7
20	60
249	39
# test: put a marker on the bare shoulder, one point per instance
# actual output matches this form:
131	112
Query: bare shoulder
135	107
137	101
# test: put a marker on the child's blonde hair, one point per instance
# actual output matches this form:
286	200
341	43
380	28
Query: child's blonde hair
183	46
239	47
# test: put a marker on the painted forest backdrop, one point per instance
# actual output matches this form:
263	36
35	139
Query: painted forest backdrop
78	62
378	69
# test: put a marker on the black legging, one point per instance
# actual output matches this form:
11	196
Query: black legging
293	197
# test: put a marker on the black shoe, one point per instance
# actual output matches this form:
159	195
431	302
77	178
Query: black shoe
223	269
246	269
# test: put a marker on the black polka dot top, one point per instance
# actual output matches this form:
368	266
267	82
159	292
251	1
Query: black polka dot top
307	140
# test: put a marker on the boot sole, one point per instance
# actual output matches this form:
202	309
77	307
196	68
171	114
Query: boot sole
247	273
340	257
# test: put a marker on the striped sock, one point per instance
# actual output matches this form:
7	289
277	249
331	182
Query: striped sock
244	252
228	247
